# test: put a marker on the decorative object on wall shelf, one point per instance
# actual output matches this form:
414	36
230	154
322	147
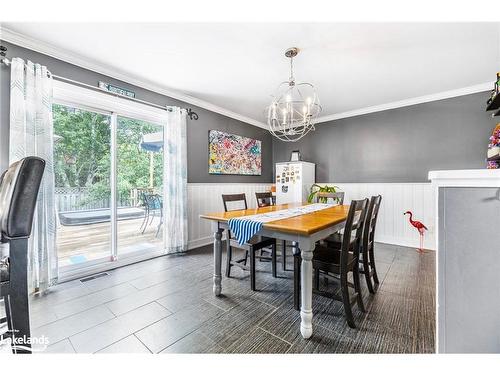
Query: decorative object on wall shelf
494	149
234	154
294	108
493	102
315	189
295	155
421	230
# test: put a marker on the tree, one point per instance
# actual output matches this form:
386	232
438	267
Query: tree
82	153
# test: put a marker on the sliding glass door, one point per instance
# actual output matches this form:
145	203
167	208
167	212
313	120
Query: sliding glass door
109	188
139	171
82	161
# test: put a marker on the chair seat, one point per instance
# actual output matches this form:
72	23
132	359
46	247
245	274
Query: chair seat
335	240
328	259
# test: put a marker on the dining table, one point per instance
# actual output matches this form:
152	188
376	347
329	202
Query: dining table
303	230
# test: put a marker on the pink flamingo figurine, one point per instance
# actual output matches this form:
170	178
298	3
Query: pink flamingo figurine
421	230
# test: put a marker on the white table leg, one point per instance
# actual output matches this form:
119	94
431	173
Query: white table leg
217	261
306	270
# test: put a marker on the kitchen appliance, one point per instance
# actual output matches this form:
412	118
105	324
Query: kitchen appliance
293	181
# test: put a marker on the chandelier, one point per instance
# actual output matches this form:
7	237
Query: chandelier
294	108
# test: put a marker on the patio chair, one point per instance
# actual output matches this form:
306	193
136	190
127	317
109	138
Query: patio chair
152	203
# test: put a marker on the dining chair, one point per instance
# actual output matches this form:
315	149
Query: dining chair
367	253
264	200
338	263
367	248
322	197
251	247
19	187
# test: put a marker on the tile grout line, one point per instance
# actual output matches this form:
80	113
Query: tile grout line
272	334
79	312
137	337
132	333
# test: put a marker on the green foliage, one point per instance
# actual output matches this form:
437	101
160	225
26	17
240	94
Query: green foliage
315	189
82	154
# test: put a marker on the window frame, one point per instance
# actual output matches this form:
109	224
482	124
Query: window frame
78	97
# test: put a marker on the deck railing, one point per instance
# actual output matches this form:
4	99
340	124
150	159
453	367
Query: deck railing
79	199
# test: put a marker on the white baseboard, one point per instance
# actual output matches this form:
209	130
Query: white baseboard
410	243
200	242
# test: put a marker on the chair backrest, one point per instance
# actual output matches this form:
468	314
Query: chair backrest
323	197
226	198
371	221
351	241
18	196
264	199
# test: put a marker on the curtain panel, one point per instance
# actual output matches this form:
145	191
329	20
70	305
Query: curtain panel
175	181
31	134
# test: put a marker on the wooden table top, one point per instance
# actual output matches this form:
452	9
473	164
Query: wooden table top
304	224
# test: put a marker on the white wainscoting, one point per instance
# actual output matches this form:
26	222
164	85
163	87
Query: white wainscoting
204	198
392	226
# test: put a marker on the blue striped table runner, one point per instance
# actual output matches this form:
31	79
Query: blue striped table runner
245	227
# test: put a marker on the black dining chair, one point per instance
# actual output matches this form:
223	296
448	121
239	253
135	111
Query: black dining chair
338	263
367	253
18	196
263	200
255	244
367	249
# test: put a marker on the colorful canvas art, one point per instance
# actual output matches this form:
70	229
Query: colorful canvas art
233	154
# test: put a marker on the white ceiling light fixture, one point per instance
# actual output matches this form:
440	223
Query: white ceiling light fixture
294	108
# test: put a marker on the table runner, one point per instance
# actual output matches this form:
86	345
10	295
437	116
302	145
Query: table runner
245	227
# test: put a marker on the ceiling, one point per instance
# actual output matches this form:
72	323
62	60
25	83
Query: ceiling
237	66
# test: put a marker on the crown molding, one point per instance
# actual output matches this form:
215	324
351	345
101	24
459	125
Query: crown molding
86	63
83	62
408	102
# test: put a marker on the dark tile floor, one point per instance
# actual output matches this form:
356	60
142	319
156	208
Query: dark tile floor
166	305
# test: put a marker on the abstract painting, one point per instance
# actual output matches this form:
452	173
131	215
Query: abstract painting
233	154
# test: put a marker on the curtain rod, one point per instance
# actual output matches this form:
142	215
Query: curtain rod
192	115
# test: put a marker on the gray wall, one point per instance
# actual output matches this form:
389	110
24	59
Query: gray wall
399	145
197	131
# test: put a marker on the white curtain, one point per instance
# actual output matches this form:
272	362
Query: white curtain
175	181
31	134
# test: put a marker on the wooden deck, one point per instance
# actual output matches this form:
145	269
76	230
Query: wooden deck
81	243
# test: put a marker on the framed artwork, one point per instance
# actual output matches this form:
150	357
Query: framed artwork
233	154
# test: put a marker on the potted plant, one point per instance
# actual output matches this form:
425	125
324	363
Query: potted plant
315	189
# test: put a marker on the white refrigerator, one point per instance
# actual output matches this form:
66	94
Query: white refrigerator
293	181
